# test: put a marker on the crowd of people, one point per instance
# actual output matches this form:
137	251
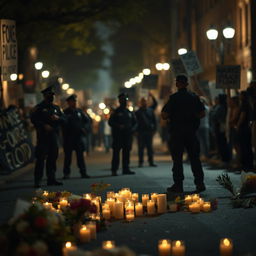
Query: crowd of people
221	133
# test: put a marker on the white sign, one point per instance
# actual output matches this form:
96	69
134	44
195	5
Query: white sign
30	100
8	49
191	63
228	77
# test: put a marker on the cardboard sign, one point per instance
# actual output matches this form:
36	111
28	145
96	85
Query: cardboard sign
228	77
150	82
8	49
191	63
16	149
178	67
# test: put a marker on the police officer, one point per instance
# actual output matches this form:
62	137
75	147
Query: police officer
74	131
47	119
183	112
123	124
146	128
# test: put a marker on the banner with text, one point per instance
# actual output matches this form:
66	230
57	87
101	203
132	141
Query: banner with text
16	149
228	77
150	82
191	63
178	67
8	48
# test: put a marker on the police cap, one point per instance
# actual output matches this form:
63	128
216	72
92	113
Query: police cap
123	95
72	97
48	90
182	78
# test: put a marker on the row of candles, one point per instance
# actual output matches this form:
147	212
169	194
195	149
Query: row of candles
165	247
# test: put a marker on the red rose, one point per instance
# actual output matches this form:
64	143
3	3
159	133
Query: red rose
40	222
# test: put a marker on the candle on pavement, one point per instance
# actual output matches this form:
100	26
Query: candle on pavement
226	247
85	234
178	248
164	247
161	203
139	209
107	245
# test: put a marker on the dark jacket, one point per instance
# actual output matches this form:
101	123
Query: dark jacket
146	119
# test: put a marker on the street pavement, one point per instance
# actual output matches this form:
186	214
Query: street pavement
201	232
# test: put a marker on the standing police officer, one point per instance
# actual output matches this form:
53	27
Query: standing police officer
123	124
183	112
146	128
47	119
74	132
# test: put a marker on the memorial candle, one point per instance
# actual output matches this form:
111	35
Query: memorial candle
85	234
194	207
63	203
106	213
161	203
68	248
139	209
119	210
207	207
135	197
226	247
107	245
129	216
154	197
48	205
151	209
111	203
195	197
178	248
145	198
164	247
93	228
188	199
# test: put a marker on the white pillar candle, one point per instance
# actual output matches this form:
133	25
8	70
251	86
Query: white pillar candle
85	234
135	197
107	245
173	207
207	207
130	216
164	247
129	206
226	247
93	228
111	203
161	203
48	205
106	214
151	208
194	207
139	209
110	194
188	199
195	197
178	248
145	198
68	248
154	197
119	210
63	203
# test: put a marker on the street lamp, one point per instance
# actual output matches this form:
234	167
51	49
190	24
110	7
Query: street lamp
182	51
38	65
146	71
65	86
13	77
212	34
45	74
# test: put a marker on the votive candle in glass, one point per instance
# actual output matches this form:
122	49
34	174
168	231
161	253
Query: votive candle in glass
107	245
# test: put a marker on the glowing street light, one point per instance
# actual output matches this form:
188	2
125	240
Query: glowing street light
13	77
182	51
128	84
60	80
159	66
228	32
102	105
65	86
166	66
141	75
212	34
146	71
45	74
70	91
38	65
106	111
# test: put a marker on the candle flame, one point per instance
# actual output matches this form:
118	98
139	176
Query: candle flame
178	243
68	244
164	242
226	242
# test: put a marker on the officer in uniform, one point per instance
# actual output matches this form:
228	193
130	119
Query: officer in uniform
74	131
47	119
183	112
146	128
123	124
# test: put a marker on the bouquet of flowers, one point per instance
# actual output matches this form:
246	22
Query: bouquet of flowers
245	196
38	231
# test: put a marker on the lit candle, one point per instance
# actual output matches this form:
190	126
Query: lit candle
195	197
87	196
111	203
161	203
139	209
85	234
178	248
107	245
173	207
129	206
154	197
188	199
110	194
45	193
63	203
129	216
119	210
164	247
135	197
145	198
151	209
106	214
201	202
226	247
68	248
48	205
93	229
207	207
194	207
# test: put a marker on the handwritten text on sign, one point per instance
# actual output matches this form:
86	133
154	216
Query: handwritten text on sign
15	146
228	77
191	63
8	48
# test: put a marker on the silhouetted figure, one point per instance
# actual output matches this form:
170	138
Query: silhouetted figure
183	112
47	119
146	128
123	124
74	136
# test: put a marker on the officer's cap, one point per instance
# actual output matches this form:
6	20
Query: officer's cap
123	95
182	78
48	90
72	97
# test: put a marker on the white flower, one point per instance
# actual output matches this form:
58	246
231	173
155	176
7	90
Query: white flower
21	226
40	247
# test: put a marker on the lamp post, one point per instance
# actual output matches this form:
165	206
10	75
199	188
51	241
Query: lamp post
212	35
